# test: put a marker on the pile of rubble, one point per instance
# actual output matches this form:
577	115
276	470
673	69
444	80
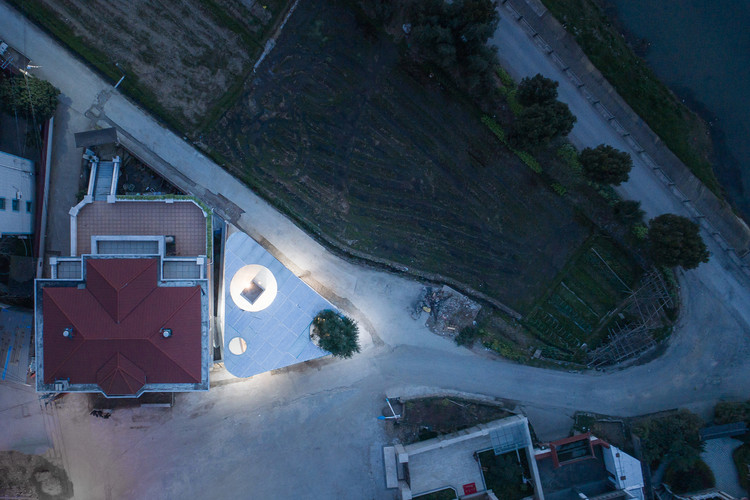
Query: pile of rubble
448	311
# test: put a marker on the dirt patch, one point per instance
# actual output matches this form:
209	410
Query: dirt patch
613	430
429	417
32	476
137	178
184	55
350	140
448	312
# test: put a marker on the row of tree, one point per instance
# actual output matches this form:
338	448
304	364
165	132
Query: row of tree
453	37
543	118
29	97
673	240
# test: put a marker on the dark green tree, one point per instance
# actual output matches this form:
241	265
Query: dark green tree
606	165
27	95
728	412
536	90
628	211
540	123
675	241
453	36
695	476
336	333
675	437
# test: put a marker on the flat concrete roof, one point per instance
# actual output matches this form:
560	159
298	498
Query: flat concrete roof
96	137
182	219
277	336
15	342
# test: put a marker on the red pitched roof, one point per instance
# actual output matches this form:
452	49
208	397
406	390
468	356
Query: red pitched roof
117	320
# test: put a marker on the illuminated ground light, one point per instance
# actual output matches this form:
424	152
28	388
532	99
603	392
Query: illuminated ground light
253	288
237	346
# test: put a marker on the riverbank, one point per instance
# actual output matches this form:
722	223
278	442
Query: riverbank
701	51
682	130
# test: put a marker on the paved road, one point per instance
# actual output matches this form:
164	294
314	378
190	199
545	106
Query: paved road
312	429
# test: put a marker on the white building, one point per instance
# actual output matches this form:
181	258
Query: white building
16	195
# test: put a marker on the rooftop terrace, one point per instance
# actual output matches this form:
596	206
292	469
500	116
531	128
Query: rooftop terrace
182	219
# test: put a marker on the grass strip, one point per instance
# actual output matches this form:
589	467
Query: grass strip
525	157
48	21
672	121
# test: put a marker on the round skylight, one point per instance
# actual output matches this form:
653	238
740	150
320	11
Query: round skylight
237	346
253	288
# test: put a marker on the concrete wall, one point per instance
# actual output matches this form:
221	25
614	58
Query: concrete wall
16	183
715	215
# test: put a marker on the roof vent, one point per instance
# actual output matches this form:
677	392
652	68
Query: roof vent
166	332
68	332
61	384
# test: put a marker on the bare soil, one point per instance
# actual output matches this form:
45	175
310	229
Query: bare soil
137	178
380	156
429	417
187	53
33	477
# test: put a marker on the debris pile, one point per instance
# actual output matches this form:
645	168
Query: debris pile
448	311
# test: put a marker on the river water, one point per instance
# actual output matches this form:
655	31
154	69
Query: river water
701	50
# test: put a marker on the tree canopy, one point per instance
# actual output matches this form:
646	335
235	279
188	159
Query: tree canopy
336	334
454	35
675	241
606	165
536	90
540	123
28	94
675	437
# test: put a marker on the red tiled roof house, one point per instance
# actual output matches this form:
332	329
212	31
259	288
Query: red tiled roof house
124	324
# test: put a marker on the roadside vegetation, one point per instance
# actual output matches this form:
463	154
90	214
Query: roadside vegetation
676	241
30	97
675	439
729	412
680	129
741	457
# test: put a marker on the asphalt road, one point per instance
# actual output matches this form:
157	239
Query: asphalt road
312	430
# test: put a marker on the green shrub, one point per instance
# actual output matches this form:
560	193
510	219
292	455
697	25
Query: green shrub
640	231
694	477
741	457
505	77
569	155
336	333
495	128
675	437
559	189
727	412
29	96
608	193
628	211
529	160
505	349
468	335
513	104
